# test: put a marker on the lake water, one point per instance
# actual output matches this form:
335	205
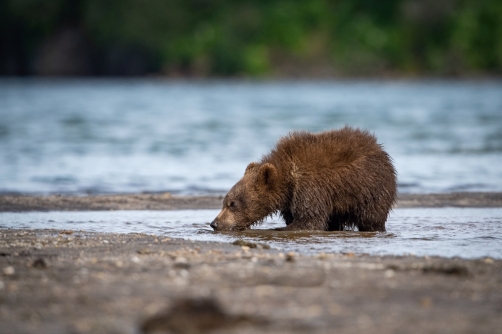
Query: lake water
462	232
196	137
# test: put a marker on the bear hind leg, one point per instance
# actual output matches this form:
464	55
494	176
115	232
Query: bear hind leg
341	222
371	227
287	215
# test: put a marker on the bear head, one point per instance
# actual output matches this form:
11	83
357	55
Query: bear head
250	200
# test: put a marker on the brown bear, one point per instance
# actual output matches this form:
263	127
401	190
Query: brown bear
333	180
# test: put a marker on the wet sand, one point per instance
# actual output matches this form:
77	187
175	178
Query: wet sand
63	281
167	201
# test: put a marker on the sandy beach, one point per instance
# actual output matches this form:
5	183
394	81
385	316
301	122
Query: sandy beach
167	201
65	281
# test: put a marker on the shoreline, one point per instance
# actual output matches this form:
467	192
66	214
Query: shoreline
84	282
167	201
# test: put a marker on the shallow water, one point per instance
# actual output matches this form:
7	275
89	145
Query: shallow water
449	232
196	137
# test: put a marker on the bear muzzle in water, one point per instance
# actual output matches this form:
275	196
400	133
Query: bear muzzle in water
333	180
249	201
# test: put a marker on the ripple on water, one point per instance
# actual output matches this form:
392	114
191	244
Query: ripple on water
463	232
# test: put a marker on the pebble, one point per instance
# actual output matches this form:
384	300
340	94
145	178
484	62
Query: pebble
244	243
39	263
426	302
145	251
183	264
184	273
389	273
8	271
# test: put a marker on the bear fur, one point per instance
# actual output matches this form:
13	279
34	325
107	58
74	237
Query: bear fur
333	180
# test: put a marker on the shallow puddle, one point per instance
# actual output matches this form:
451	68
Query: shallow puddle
463	232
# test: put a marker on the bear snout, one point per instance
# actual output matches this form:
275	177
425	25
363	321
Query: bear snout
224	221
214	224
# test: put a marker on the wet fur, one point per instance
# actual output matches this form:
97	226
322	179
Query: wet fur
333	180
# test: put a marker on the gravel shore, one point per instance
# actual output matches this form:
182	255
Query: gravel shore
166	201
54	281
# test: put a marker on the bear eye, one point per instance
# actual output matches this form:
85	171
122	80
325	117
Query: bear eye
232	205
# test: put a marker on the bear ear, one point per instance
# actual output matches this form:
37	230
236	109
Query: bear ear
267	175
250	166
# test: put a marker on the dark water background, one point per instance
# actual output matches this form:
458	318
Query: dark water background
462	232
196	137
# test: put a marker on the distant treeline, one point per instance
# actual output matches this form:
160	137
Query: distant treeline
252	37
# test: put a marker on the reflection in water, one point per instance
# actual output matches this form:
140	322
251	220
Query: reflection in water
463	232
307	236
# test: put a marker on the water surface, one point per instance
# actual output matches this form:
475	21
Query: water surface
462	232
196	137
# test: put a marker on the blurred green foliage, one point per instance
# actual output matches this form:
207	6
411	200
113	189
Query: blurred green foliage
260	37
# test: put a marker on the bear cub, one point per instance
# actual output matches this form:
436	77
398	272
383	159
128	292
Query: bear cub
333	181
